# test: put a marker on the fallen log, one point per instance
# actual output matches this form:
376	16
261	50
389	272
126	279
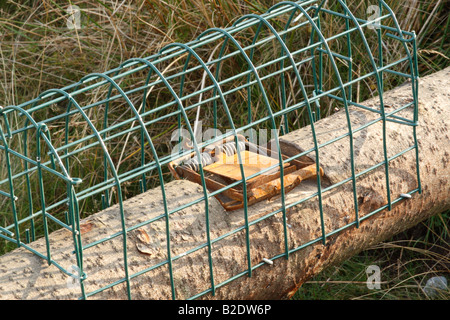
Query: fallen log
23	275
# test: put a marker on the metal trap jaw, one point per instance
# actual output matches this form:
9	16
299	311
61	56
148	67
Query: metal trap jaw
227	165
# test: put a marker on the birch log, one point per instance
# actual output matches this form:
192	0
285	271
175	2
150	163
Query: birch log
25	276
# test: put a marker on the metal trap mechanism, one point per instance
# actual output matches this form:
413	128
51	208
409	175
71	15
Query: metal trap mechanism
257	167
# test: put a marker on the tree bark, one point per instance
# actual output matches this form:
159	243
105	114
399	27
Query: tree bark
23	275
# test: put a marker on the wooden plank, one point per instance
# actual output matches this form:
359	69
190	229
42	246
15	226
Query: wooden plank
228	166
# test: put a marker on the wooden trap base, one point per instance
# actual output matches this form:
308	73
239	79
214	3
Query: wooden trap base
226	169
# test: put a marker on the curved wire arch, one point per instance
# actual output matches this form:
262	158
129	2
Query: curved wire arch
344	97
161	76
318	83
380	95
73	102
191	52
123	65
266	101
41	130
233	128
153	150
308	106
414	86
283	80
145	132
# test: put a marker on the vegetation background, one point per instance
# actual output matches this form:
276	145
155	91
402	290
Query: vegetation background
38	52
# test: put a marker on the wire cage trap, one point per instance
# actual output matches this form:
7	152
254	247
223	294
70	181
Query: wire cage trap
92	144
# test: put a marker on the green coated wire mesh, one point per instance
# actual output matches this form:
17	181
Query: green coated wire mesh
56	137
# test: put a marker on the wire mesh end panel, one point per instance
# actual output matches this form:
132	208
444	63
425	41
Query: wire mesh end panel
193	126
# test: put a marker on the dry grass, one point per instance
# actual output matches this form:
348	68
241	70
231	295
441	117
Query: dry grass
406	263
39	52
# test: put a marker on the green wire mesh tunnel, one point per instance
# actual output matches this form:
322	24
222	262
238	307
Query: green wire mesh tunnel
49	146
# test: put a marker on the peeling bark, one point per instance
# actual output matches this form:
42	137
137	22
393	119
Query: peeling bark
25	276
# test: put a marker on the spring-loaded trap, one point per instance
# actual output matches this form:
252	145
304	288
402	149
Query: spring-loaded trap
255	166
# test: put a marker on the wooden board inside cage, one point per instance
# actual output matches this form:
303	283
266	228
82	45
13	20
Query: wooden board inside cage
222	169
228	166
